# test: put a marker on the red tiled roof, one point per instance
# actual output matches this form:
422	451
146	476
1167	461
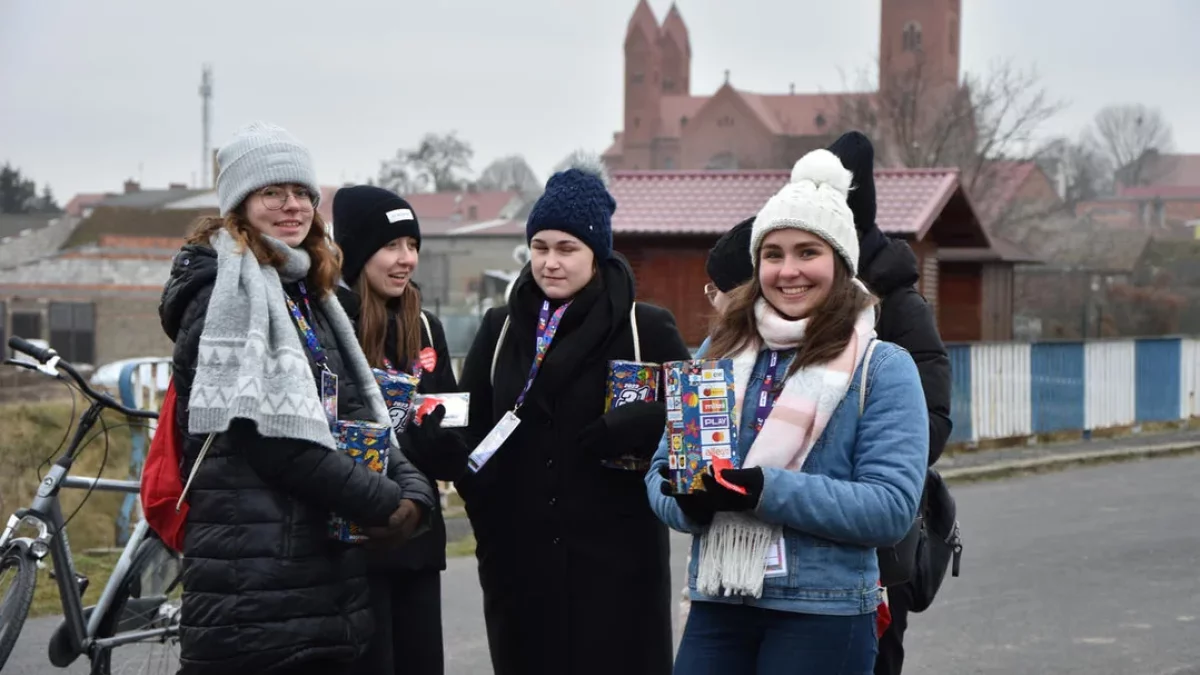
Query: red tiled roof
83	200
673	109
447	205
1175	170
711	202
1003	180
1166	192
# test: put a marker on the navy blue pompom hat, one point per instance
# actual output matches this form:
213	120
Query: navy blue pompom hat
577	201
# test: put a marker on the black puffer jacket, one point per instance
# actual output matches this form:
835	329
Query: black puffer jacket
889	268
264	588
427	552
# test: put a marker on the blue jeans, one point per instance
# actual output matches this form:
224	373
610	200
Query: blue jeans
724	639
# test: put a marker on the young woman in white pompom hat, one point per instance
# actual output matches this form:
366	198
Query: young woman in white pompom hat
573	563
832	441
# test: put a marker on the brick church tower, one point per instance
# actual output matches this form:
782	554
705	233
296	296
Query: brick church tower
921	33
658	63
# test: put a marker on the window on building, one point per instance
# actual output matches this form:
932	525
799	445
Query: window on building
912	37
472	212
433	275
668	163
953	33
73	331
26	324
668	85
637	78
637	122
683	121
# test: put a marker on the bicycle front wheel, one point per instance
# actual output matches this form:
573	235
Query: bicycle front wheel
18	576
148	599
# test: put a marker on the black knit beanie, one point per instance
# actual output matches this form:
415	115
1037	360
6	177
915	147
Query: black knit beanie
729	264
858	155
365	219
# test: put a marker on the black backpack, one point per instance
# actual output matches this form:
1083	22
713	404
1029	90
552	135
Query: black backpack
939	544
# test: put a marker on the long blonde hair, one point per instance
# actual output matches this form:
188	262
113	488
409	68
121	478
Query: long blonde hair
373	318
323	272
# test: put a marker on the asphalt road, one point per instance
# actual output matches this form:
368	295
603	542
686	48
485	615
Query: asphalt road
1087	571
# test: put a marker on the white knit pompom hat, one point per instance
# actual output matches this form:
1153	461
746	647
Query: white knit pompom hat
262	154
814	201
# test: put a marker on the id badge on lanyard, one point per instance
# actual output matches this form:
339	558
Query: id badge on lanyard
329	379
547	327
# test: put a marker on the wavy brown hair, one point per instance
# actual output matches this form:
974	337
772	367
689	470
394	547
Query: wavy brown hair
372	323
323	272
829	329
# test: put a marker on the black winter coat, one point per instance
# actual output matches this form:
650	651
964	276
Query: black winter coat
264	588
427	552
906	319
572	561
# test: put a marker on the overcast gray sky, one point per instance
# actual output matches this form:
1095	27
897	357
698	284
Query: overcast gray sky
94	92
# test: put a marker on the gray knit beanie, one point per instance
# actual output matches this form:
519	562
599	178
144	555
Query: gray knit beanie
259	155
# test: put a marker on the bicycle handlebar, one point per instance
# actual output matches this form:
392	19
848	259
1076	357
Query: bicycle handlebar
48	357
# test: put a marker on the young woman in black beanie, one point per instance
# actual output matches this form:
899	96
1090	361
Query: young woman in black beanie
573	564
380	239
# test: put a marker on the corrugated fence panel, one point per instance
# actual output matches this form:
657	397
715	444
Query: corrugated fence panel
960	393
1056	371
1158	379
1109	393
1189	405
1000	391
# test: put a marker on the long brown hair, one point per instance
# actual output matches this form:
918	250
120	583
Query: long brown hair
323	272
829	329
372	323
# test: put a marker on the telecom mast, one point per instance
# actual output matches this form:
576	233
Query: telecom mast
206	91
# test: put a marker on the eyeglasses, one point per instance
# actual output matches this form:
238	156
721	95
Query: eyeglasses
710	292
275	197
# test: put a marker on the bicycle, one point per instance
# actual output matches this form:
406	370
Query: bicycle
140	602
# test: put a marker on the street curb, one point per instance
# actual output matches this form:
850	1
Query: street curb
1000	470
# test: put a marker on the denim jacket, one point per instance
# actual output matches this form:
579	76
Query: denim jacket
857	490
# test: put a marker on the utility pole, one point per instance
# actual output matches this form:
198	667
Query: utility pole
206	93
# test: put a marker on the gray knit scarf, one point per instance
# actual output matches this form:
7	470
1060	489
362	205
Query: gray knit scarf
252	363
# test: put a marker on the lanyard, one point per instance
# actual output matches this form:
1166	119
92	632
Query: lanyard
547	327
310	336
772	385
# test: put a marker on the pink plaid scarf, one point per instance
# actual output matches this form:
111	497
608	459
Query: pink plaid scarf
733	548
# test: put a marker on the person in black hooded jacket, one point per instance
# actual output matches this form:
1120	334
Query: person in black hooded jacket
265	588
572	561
380	238
889	268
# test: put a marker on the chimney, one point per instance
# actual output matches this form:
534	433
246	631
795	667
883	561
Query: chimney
177	186
132	186
792	89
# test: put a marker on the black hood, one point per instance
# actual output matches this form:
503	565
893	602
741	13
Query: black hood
893	266
194	269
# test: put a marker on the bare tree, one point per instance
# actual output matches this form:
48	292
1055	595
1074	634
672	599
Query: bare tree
438	164
511	173
918	121
1128	135
1079	170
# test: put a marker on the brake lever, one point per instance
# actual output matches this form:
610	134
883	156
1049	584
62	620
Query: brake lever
20	364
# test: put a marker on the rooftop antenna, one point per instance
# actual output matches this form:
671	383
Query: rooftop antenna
206	93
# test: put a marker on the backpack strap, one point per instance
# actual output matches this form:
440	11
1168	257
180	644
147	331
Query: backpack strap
496	354
428	330
637	342
862	385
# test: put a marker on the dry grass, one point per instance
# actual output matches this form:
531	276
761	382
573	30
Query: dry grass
30	436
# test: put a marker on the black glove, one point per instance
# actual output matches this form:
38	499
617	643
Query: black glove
751	479
697	506
633	429
439	453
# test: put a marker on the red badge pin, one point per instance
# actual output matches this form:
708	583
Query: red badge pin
428	359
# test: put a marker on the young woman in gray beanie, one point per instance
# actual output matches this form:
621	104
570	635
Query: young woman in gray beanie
573	564
265	363
380	238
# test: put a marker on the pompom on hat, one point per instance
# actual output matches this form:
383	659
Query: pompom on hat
813	201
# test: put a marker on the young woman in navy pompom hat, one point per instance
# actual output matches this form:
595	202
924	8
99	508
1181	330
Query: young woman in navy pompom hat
573	563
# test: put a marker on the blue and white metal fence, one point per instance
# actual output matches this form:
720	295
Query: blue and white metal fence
1006	390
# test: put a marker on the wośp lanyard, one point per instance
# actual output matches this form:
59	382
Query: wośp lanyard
546	328
329	392
772	385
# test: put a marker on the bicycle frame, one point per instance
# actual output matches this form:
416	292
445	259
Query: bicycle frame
47	515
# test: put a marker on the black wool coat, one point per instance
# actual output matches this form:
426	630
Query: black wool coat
264	588
572	561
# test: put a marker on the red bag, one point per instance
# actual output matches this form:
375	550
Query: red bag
162	485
